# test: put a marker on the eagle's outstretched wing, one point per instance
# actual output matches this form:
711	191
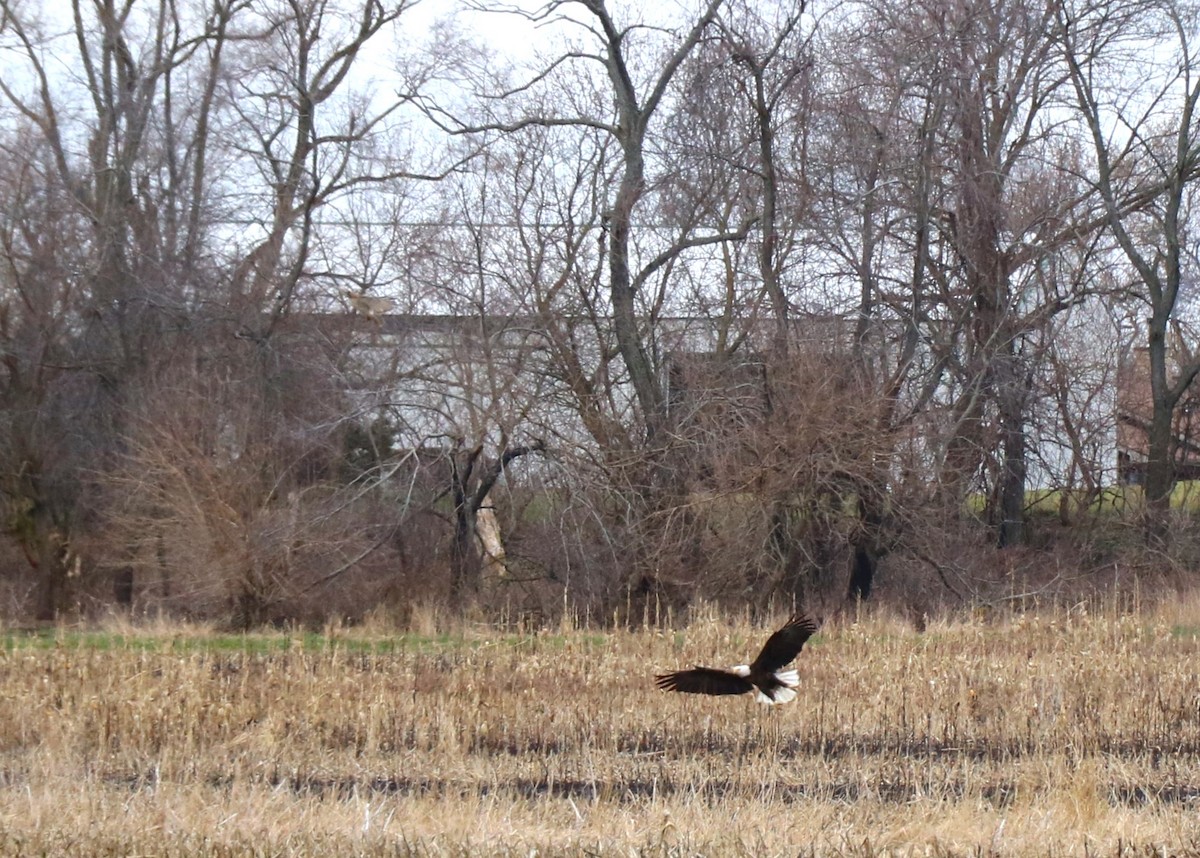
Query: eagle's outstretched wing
784	645
704	680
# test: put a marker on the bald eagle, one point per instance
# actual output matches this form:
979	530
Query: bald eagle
763	676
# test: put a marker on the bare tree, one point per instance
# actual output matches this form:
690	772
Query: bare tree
775	56
1142	130
127	293
41	295
638	77
986	212
200	130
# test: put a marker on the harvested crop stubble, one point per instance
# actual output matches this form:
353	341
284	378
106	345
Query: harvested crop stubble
1043	734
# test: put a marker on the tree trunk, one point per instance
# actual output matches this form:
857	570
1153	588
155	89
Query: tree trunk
51	553
1010	397
862	573
1012	489
123	587
471	480
464	559
1160	469
629	341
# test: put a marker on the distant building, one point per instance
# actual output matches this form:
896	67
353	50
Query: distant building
1134	410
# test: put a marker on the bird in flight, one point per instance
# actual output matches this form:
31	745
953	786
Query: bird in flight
764	676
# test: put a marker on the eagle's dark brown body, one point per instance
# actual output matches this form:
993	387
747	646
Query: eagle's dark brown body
764	676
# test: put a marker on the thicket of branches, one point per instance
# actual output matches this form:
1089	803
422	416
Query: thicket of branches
748	302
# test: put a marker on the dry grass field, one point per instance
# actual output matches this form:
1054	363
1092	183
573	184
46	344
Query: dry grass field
1055	733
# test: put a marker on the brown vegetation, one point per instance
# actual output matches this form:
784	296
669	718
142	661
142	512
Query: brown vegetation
309	311
1054	733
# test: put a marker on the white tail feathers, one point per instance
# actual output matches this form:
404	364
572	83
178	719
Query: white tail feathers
790	679
782	695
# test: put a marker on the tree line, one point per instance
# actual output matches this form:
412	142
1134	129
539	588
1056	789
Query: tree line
747	302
